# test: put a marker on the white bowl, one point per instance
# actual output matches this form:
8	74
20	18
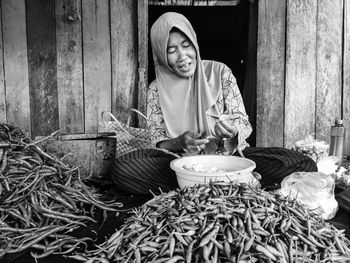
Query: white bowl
230	169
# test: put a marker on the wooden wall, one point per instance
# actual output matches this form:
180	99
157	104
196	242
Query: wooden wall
63	62
303	69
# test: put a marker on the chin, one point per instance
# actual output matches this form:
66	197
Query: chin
187	74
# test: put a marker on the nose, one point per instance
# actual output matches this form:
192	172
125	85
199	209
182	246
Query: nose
181	53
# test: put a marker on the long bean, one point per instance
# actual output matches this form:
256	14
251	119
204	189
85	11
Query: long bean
233	223
38	191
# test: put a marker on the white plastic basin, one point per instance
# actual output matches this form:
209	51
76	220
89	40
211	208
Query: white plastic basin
231	168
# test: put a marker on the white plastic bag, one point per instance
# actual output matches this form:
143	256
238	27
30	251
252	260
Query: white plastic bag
328	166
314	189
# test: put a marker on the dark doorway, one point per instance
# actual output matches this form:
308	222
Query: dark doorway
223	35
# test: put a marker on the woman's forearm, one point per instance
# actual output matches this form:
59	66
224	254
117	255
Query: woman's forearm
172	145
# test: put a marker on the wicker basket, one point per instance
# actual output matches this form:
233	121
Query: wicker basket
128	138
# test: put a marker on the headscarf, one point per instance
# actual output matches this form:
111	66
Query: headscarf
186	103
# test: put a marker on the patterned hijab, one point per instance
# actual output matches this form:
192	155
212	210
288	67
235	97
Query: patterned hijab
186	103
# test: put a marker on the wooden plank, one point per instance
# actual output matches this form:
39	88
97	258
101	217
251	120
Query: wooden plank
124	57
82	136
16	63
92	156
270	73
2	77
300	70
329	65
346	77
195	2
69	66
142	11
42	66
97	62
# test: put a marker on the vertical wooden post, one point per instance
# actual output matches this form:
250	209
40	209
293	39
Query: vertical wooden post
124	56
16	63
97	61
42	67
270	72
329	65
142	12
346	76
2	77
69	66
300	70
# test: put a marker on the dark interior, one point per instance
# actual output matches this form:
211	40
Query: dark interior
223	35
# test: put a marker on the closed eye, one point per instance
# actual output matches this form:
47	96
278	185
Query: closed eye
171	50
186	43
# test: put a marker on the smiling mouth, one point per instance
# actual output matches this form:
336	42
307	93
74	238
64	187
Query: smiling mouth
185	66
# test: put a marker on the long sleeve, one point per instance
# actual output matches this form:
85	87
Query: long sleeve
154	115
232	107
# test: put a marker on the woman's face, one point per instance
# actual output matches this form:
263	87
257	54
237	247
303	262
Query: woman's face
181	54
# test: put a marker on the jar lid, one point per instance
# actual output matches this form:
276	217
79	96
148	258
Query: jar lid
339	122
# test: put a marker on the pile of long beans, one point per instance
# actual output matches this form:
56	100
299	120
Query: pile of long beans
223	222
42	200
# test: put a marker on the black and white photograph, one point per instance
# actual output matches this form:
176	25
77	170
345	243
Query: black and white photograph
174	131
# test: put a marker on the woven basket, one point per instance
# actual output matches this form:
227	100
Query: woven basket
128	138
144	171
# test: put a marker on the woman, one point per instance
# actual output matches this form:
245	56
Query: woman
190	98
195	105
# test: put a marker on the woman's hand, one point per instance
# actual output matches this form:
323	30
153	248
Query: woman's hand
229	133
222	129
191	142
187	142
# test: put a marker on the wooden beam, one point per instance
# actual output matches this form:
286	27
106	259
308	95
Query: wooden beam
346	77
3	110
42	66
142	11
69	66
300	70
16	63
97	61
329	65
270	72
124	57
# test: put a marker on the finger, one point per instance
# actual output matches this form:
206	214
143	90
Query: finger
226	126
202	146
231	129
197	136
189	141
257	175
216	130
189	135
219	129
194	148
211	147
223	132
200	141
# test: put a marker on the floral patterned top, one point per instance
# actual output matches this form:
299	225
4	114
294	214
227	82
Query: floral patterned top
229	103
